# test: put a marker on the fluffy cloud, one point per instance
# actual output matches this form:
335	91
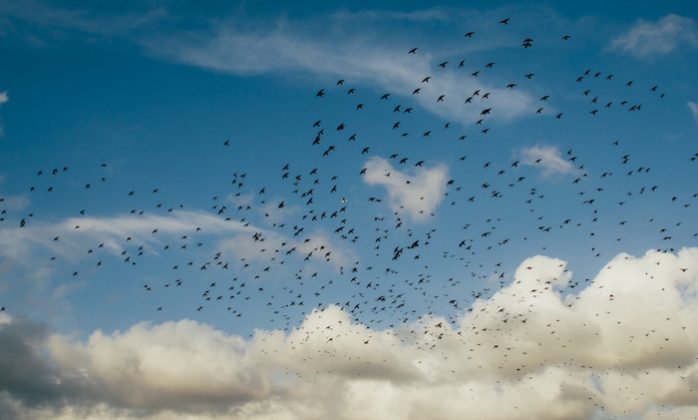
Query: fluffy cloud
547	158
418	194
647	39
623	345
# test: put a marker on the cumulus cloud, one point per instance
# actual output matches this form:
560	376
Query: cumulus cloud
418	194
623	345
693	107
647	39
548	158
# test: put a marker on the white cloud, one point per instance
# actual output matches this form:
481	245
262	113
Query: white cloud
151	231
548	158
626	344
693	107
418	194
111	231
316	245
359	59
646	39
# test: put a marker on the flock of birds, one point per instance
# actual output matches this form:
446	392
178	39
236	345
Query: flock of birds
387	284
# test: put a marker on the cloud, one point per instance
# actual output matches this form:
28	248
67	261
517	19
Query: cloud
317	246
693	107
424	15
548	158
418	194
14	202
625	344
119	234
648	39
367	59
77	234
4	98
89	21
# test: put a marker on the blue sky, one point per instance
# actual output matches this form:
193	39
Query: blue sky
138	101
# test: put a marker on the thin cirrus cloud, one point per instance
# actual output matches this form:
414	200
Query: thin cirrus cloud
418	194
70	237
359	59
548	159
648	39
486	363
4	98
58	18
693	107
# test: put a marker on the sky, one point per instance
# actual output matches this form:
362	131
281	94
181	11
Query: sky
352	210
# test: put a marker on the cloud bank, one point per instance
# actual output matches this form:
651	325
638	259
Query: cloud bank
622	346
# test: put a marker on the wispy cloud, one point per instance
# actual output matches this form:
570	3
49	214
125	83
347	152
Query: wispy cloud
363	59
436	14
353	49
14	202
419	193
693	107
70	238
4	98
548	158
44	16
647	39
